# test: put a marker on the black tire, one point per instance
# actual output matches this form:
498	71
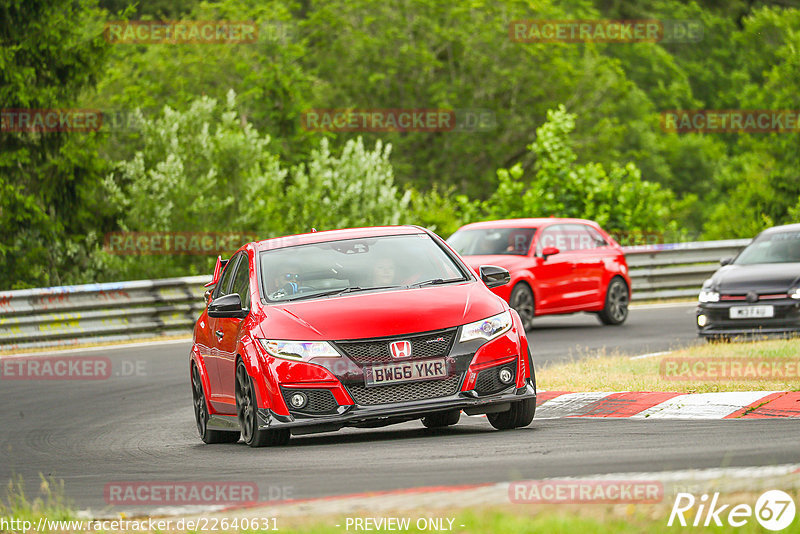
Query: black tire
201	414
441	419
615	310
247	413
524	303
520	414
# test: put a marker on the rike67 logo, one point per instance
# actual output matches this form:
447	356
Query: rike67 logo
774	510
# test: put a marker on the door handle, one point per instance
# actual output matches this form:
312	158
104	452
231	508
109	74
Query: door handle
219	334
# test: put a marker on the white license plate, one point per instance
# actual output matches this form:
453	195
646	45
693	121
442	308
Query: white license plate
392	373
752	312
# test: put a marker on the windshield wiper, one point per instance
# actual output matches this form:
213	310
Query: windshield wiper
436	282
340	291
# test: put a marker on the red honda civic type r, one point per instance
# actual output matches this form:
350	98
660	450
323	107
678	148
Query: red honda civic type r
362	328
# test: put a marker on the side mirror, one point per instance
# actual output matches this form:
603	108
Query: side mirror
494	276
725	261
549	251
227	306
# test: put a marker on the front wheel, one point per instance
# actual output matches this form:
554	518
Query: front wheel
522	301
247	413
201	414
520	414
615	310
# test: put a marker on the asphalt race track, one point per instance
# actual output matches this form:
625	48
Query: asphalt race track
141	427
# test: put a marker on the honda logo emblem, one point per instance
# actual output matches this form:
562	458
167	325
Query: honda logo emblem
400	349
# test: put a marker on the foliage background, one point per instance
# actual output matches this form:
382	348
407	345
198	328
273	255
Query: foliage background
212	138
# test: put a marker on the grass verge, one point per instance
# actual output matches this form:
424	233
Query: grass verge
698	369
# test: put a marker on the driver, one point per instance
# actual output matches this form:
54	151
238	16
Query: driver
383	272
284	282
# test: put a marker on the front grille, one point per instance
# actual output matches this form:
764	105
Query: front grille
488	381
763	296
320	401
376	350
411	391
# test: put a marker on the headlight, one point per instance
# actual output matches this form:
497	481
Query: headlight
299	350
795	294
708	295
486	328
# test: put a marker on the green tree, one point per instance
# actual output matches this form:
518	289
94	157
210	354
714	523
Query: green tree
49	206
618	198
199	170
354	189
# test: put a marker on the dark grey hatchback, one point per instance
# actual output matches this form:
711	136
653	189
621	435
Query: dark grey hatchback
758	291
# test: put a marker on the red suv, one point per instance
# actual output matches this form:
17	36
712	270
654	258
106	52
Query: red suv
556	266
362	327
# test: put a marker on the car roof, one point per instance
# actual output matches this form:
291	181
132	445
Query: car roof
336	235
524	223
784	228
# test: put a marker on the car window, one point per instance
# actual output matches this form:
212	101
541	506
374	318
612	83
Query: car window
241	281
223	287
491	241
568	238
363	264
597	239
780	247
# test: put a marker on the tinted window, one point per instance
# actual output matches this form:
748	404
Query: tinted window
597	238
223	287
567	238
487	241
241	281
385	262
782	247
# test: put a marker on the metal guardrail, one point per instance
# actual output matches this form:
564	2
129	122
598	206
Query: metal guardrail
68	315
676	270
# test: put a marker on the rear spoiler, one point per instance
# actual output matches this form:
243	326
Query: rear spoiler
217	271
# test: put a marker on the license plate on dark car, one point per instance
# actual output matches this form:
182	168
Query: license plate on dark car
393	373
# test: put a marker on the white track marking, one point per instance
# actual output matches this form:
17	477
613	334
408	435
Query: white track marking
568	404
651	355
702	405
685	304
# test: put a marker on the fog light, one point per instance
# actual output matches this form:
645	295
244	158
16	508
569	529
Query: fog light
505	375
298	400
702	320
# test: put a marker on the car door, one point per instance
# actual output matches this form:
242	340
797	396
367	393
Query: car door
587	259
227	331
599	254
211	359
553	274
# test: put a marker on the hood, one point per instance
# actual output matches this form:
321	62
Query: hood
509	262
762	278
382	313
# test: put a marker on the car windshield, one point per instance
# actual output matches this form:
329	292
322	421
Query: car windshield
782	247
351	265
487	241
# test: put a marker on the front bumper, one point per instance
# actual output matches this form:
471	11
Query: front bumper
786	319
386	414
